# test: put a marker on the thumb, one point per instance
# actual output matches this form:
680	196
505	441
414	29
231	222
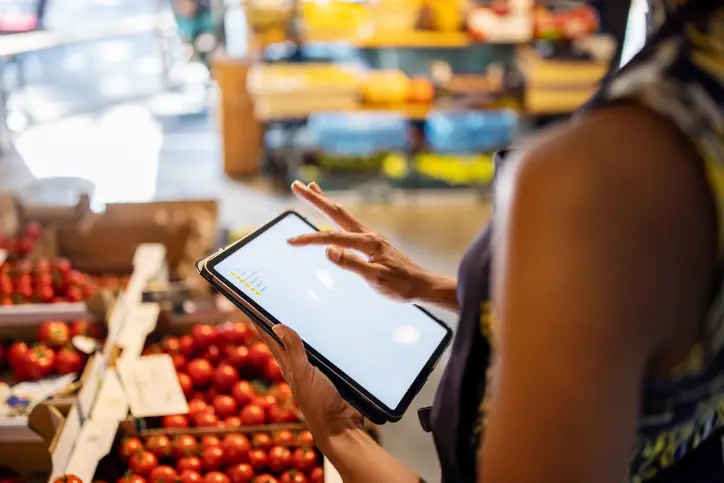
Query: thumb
297	355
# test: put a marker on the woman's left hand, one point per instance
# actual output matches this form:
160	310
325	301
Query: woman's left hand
324	410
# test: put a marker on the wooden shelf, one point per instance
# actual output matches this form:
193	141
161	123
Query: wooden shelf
402	40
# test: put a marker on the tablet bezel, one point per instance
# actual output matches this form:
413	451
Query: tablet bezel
419	380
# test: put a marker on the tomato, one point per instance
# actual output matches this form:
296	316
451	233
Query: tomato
265	478
305	439
305	459
190	476
232	422
206	420
142	462
16	353
284	438
225	406
242	473
53	333
175	421
262	440
131	478
204	335
62	265
68	360
212	353
209	441
216	477
252	415
282	391
163	474
159	445
225	334
68	479
236	448
33	230
179	362
280	458
85	328
184	445
39	362
278	414
266	402
243	392
212	458
200	371
197	406
129	446
225	377
184	381
317	475
171	345
272	371
259	354
189	463
258	459
293	476
186	345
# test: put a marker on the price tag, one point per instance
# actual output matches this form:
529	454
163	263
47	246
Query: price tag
140	322
64	444
149	259
152	387
86	396
115	322
111	404
94	442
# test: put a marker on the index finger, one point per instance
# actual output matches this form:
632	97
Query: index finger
333	211
356	241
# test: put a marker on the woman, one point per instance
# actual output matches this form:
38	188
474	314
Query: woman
608	324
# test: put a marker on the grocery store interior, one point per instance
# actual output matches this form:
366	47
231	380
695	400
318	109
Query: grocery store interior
394	107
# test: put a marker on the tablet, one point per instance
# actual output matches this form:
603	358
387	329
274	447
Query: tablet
379	349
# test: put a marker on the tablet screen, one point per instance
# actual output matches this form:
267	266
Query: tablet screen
380	344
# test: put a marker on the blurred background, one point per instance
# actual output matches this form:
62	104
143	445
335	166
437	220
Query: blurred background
393	106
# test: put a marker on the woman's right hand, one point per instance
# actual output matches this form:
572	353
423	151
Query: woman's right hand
386	269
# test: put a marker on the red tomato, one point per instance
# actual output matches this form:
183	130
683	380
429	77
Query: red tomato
206	420
243	392
242	473
68	360
179	362
252	414
225	334
232	422
197	406
305	439
258	459
175	421
189	463
225	406
186	345
284	438
282	391
317	475
163	474
85	328
265	478
142	462
225	377
236	448
159	445
212	458
184	445
242	333
216	477
131	478
278	414
39	362
272	371
53	333
171	345
280	459
68	479
237	356
201	372
204	335
259	354
184	380
212	353
129	446
209	441
190	476
266	402
305	459
293	476
262	441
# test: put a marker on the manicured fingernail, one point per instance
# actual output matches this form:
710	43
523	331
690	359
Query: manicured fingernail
334	253
293	241
297	184
279	331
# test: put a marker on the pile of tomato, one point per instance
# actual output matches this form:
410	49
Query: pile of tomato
279	457
229	377
22	243
43	281
52	353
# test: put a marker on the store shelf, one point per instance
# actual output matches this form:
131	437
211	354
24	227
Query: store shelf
391	40
411	111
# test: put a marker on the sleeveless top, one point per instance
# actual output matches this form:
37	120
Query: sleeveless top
680	75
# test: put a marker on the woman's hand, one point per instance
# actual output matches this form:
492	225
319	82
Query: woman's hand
386	269
325	412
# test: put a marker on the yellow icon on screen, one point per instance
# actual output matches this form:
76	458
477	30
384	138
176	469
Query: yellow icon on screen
258	293
233	274
248	285
242	281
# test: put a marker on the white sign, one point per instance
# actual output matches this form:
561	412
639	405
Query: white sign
94	442
87	394
111	404
64	443
152	387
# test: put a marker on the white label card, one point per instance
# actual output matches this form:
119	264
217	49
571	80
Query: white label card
149	258
94	442
64	443
87	394
152	387
111	403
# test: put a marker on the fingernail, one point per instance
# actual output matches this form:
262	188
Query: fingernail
297	184
279	331
292	241
334	253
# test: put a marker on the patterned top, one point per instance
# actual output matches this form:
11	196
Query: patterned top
679	74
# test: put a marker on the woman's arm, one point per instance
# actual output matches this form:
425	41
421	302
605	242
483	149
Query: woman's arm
440	291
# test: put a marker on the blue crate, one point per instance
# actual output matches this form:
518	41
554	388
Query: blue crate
470	132
358	133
